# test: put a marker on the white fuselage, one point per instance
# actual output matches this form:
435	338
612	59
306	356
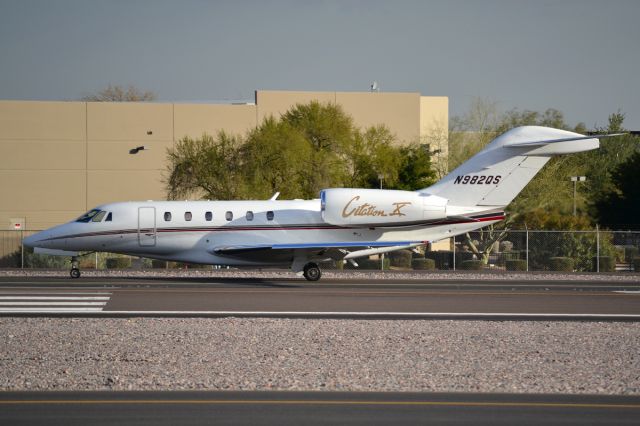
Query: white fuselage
145	229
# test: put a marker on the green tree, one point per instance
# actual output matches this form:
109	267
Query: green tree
276	158
312	147
622	205
370	157
472	131
416	171
121	94
601	163
330	131
208	167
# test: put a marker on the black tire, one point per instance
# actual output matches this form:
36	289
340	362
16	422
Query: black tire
312	272
75	273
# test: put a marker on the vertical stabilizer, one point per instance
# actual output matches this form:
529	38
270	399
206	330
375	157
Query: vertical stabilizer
496	175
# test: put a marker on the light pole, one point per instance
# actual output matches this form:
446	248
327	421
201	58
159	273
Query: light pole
575	180
380	176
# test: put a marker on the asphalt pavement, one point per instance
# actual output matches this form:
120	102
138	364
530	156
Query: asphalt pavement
312	408
344	298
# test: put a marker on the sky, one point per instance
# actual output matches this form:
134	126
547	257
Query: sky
581	57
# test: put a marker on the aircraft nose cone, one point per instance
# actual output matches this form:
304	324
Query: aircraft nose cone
34	240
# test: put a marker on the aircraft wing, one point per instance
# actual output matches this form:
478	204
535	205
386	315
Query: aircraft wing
321	246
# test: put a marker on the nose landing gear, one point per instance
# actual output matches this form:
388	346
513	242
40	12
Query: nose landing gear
75	271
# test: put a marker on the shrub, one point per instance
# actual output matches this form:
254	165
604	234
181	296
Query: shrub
564	264
607	264
507	256
118	262
423	264
506	245
417	255
442	258
158	264
630	253
516	265
370	264
400	258
471	265
636	264
194	266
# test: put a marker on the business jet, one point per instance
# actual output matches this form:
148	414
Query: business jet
343	224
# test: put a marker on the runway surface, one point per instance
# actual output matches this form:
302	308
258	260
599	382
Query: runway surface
397	299
312	408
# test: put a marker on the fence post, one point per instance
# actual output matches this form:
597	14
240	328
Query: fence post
21	248
454	252
526	248
597	248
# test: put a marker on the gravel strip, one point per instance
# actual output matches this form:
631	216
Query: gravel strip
275	274
296	354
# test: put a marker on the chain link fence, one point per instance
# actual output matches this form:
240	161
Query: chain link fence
514	250
541	250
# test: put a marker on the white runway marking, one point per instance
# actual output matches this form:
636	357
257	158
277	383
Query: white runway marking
66	310
51	298
55	293
635	292
53	302
42	303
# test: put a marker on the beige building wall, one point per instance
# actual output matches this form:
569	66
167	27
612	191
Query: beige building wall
194	120
42	161
400	112
434	129
59	159
276	103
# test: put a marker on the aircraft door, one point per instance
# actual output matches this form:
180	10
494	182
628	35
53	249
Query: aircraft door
147	226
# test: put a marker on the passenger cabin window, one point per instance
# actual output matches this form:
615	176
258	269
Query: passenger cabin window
108	219
269	215
188	216
99	216
167	216
229	216
249	215
208	216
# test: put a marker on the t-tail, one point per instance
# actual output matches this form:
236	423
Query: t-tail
492	178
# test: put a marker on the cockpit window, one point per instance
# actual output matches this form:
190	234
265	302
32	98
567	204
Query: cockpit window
99	216
88	216
109	217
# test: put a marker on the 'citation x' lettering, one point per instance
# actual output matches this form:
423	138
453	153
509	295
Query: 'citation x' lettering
367	209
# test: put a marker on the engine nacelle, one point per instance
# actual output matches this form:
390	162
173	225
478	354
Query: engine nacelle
379	207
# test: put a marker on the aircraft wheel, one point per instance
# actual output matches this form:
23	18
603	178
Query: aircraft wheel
312	272
75	273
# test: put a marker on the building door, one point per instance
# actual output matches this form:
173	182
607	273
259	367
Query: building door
147	226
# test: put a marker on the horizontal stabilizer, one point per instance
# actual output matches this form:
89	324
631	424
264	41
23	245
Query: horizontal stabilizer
550	141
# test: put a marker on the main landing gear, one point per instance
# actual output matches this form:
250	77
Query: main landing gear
75	271
312	272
